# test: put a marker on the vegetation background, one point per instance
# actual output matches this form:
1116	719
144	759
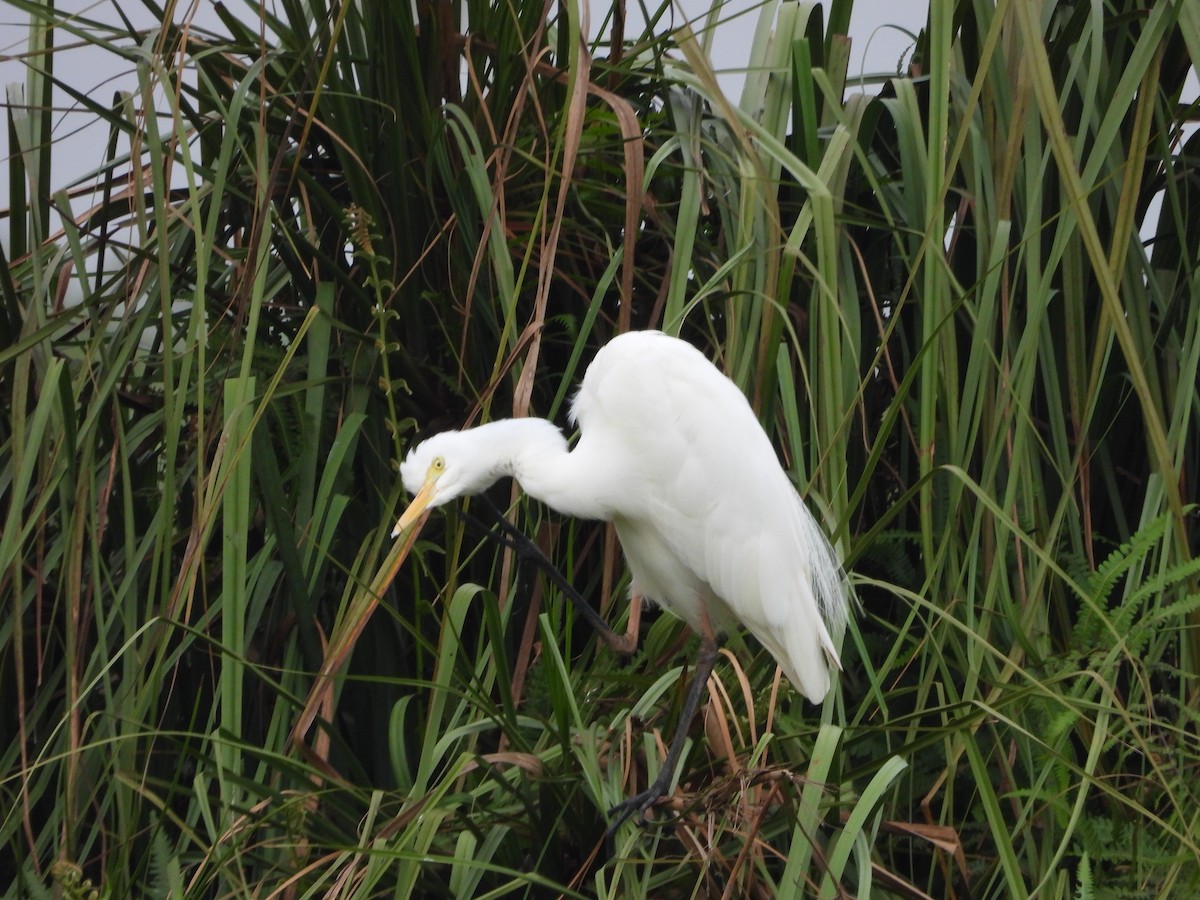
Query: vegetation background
317	234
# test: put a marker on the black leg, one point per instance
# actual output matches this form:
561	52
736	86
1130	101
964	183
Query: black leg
527	549
519	542
639	803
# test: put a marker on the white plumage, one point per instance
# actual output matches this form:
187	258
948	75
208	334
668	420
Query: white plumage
672	454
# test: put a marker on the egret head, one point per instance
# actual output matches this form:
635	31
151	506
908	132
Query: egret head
457	464
443	468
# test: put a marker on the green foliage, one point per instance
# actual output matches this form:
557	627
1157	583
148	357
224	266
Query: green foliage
350	223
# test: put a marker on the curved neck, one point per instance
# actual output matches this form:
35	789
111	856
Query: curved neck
535	453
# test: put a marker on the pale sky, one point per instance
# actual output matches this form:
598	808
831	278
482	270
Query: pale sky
80	149
881	35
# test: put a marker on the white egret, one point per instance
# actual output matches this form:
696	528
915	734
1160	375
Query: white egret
672	454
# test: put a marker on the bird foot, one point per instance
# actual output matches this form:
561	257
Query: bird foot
638	804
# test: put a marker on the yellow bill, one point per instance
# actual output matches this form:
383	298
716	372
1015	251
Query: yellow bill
420	502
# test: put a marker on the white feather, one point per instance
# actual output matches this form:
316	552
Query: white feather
671	452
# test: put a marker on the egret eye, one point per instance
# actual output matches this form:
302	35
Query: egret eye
438	464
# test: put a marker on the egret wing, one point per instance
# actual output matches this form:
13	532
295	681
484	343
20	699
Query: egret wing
707	509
